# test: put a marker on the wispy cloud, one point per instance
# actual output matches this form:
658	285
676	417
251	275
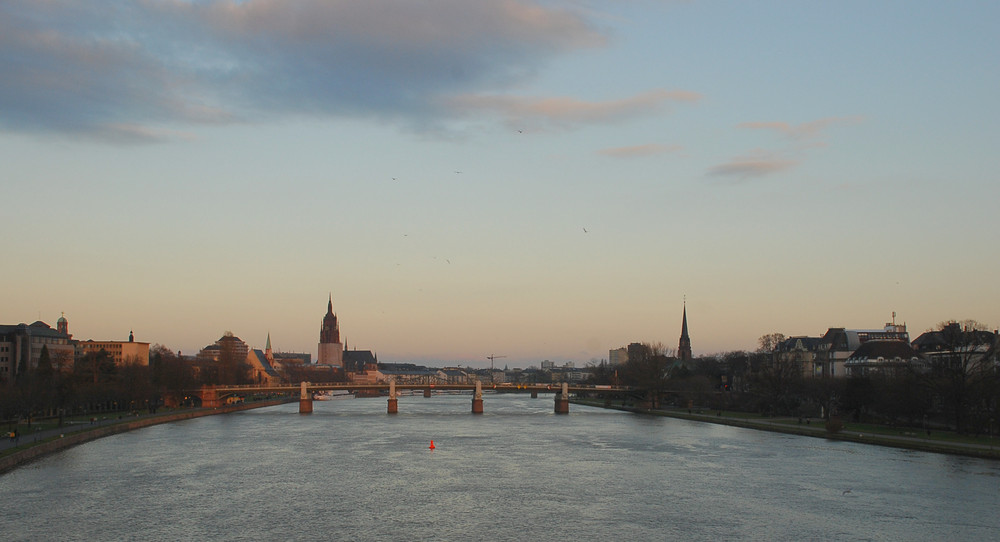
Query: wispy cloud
636	151
801	137
566	111
804	131
77	66
757	164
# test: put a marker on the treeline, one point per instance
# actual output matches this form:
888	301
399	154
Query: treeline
958	390
93	383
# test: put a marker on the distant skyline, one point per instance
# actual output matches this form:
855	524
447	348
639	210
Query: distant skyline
535	179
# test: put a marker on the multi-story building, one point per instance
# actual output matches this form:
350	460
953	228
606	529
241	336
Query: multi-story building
801	351
228	344
839	343
21	347
958	347
883	357
617	356
122	352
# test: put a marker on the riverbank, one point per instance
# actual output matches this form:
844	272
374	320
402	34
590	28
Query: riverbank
909	440
36	445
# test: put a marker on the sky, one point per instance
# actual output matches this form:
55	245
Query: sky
532	179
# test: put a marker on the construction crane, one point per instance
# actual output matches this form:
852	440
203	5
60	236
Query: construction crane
493	357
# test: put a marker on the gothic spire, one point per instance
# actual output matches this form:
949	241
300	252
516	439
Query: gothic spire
684	345
684	324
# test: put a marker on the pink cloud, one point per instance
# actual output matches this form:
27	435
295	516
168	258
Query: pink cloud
806	130
564	111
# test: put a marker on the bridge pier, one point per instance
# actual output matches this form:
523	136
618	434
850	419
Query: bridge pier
427	392
393	406
562	400
477	399
305	400
210	397
534	395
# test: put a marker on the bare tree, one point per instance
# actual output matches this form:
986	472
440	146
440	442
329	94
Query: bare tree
770	342
963	361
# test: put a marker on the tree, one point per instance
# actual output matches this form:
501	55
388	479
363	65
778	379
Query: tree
602	373
778	385
647	369
770	342
963	361
232	368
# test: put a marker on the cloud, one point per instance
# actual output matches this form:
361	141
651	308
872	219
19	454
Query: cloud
566	111
758	164
805	131
76	66
635	151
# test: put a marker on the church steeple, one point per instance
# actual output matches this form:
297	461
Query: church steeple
684	345
331	351
267	349
330	331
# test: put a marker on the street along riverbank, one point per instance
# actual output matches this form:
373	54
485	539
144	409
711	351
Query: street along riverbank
879	436
30	447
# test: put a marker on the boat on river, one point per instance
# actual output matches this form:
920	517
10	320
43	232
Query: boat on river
329	395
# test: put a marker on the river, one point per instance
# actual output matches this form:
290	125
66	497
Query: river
349	471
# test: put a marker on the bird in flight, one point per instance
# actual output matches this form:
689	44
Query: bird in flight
585	230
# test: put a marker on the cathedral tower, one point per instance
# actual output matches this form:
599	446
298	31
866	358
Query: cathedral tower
684	346
331	352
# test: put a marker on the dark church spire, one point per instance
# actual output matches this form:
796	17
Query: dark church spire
330	331
684	346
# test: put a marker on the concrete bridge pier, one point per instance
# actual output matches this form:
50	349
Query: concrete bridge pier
477	399
534	395
427	392
305	400
393	407
562	400
210	397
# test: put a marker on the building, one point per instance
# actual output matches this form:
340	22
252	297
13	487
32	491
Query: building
839	343
684	345
122	352
883	357
617	356
359	361
21	347
801	351
262	370
331	350
957	348
228	344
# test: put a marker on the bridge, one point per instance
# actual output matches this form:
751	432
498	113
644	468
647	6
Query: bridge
215	396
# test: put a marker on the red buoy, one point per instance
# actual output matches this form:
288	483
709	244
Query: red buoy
432	445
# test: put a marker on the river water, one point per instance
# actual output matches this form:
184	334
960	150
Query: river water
349	471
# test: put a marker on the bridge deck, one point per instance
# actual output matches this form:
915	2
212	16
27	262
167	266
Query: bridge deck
540	388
